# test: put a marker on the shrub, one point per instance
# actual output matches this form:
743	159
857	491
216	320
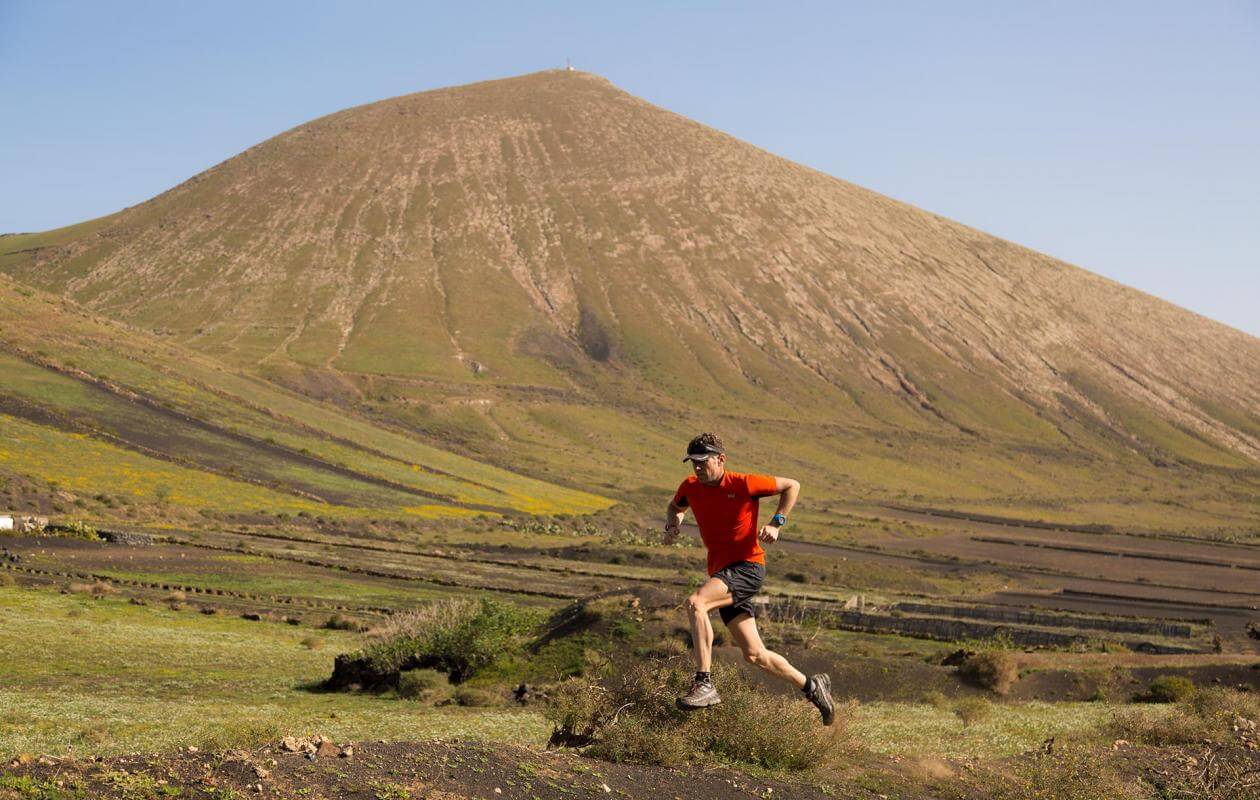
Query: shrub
934	698
1208	715
340	622
630	716
420	684
241	734
972	710
476	697
1169	689
771	731
96	588
458	637
1216	772
995	670
1066	772
78	529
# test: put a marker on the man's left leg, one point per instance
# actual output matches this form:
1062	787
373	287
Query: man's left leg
816	688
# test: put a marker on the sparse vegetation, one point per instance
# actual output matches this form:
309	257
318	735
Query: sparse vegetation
421	684
1063	772
629	714
995	670
458	637
1169	689
972	710
1207	715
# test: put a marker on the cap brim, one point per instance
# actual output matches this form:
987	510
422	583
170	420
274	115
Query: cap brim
699	456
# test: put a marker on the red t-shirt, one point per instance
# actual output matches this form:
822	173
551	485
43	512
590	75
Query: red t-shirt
727	515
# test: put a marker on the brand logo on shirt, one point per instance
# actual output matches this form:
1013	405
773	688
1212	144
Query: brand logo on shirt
731	495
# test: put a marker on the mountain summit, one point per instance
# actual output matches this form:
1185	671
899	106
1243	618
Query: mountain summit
552	242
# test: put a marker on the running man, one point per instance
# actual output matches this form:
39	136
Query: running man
725	506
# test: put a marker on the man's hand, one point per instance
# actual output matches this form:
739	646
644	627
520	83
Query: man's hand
671	533
769	534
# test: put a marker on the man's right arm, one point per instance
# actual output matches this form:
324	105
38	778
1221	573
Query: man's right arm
673	520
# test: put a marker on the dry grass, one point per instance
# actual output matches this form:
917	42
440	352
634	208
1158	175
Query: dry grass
1206	716
422	621
1064	772
96	589
630	716
972	710
995	670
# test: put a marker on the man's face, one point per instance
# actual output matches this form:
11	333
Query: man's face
710	470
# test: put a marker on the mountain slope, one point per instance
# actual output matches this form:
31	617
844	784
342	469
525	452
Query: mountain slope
527	266
106	415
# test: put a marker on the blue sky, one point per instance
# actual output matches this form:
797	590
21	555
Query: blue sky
1123	137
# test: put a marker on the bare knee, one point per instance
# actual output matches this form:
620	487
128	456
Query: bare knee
696	605
758	657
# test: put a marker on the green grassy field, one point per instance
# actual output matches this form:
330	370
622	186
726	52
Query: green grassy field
103	676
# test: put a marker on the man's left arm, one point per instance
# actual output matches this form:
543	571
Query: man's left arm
787	490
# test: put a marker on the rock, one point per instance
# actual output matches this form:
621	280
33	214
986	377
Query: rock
193	749
327	749
347	752
261	773
290	744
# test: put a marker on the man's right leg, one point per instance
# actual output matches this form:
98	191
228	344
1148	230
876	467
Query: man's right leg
713	594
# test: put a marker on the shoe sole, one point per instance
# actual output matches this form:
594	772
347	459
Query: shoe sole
686	707
829	714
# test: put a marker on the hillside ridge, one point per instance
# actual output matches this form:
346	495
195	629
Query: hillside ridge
477	259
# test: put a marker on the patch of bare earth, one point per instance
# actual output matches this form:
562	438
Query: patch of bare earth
436	770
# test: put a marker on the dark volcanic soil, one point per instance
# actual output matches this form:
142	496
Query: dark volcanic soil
434	770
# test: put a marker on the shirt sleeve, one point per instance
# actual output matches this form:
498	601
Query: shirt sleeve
761	485
680	496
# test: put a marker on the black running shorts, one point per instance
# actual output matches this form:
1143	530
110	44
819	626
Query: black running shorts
743	579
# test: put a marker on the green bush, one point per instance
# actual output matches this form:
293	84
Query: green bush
476	697
1169	689
458	637
995	670
78	529
419	684
460	650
